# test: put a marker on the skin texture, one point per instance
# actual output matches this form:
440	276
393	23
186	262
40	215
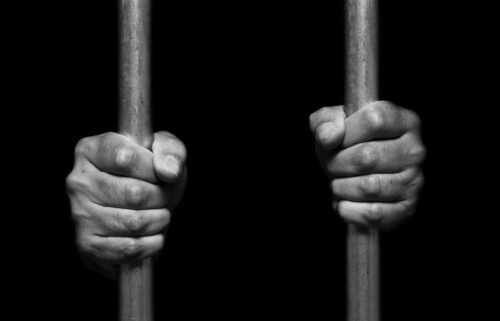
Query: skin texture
372	159
122	196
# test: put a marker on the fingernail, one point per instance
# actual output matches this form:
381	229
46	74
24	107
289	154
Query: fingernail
172	164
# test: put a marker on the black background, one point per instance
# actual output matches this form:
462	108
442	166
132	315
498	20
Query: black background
255	235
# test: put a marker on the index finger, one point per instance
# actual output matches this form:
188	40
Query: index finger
119	155
378	120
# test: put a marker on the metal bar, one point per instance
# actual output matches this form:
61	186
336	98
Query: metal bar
361	88
136	301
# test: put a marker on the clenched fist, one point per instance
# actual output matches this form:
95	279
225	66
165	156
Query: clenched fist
373	159
122	196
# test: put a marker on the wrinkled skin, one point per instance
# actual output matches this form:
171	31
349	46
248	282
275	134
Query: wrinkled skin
122	196
372	159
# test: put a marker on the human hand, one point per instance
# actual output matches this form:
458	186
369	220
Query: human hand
122	196
373	159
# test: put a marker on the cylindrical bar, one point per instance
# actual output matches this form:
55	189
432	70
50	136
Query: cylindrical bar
135	121
361	88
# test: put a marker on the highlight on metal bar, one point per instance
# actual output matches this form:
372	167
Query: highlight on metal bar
361	88
136	301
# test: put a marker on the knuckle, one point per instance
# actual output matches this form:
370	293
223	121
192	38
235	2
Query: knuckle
376	116
417	153
78	215
107	137
70	182
387	107
371	186
123	157
366	158
74	183
135	195
130	248
373	214
82	147
134	222
419	181
121	154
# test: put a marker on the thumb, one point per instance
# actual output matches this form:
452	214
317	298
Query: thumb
328	127
169	155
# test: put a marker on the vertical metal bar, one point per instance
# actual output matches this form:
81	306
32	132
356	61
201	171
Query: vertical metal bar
135	121
361	88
